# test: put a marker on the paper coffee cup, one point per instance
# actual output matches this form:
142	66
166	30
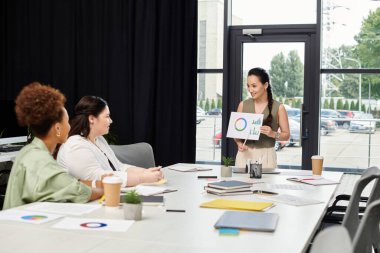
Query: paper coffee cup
317	164
112	187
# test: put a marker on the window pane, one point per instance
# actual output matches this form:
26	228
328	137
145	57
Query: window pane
209	117
271	12
210	34
350	34
348	131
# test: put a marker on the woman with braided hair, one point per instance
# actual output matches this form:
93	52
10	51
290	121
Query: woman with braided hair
275	118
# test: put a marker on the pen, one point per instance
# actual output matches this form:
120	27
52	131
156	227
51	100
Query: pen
100	201
175	210
207	176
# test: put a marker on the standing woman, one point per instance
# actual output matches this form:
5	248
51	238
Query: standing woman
275	118
87	155
35	175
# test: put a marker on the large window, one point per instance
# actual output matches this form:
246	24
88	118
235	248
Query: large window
350	105
273	12
210	80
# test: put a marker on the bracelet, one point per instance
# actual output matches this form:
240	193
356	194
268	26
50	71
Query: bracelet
93	184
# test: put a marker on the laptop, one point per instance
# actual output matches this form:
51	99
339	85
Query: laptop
253	221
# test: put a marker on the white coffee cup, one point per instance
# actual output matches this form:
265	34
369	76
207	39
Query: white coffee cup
112	187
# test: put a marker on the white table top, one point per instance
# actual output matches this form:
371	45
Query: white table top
192	231
8	156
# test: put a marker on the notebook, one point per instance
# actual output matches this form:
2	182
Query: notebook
220	192
232	184
265	222
237	205
188	168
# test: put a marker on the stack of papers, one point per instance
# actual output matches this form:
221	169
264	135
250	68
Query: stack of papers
313	180
232	187
237	205
188	168
292	200
64	208
28	216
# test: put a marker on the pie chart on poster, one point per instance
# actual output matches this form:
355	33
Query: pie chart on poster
93	225
33	217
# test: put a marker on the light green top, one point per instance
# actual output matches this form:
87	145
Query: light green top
36	176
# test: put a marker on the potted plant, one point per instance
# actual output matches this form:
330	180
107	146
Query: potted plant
132	206
226	170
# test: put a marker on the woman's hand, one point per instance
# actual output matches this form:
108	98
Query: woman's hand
151	176
242	147
267	130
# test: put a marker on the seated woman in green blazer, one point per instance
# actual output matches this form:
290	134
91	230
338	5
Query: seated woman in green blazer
35	175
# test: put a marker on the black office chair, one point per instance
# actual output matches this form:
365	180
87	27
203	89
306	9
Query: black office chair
336	212
4	176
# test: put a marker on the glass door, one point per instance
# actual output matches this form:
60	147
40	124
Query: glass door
290	59
284	62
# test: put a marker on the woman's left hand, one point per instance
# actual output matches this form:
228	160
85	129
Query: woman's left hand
267	130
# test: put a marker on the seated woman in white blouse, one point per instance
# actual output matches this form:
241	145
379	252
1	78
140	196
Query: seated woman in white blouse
86	154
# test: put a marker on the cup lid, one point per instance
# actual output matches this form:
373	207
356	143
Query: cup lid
112	180
317	157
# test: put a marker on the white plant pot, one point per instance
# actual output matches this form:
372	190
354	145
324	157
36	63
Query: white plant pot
132	211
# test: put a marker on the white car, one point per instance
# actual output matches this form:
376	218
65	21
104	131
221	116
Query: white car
364	124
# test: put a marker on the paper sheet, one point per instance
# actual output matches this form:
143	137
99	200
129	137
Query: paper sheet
147	190
94	224
291	200
64	208
28	216
188	168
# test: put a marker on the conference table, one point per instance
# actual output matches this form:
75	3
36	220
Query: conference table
190	231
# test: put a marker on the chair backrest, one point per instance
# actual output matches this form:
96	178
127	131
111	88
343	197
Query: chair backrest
138	154
332	239
351	218
368	232
4	176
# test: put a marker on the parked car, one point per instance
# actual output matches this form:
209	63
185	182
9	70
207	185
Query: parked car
362	125
200	111
336	116
327	126
215	111
346	114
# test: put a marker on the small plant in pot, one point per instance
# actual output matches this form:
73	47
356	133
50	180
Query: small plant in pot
132	206
226	170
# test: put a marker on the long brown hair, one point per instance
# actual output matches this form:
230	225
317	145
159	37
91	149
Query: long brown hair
88	105
264	78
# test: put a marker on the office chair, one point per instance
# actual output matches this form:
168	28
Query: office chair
4	176
337	238
368	233
138	154
332	239
351	218
335	213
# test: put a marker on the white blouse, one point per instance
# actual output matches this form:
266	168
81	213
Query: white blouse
87	161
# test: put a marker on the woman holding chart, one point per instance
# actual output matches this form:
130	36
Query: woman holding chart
275	119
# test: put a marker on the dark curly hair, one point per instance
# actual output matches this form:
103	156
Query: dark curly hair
39	107
88	105
264	77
